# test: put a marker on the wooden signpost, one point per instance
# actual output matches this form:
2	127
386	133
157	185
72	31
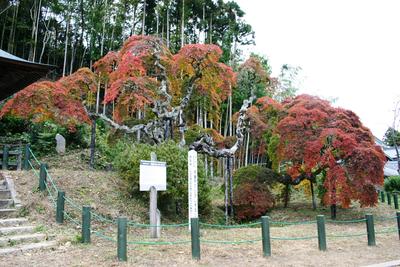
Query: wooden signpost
153	178
193	185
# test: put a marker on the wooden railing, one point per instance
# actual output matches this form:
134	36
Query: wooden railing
11	156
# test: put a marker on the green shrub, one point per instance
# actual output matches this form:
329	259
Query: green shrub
14	130
392	183
252	196
41	136
254	173
174	200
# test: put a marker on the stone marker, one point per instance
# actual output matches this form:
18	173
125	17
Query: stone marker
60	144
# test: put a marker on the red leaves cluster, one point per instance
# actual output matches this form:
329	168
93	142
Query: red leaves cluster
216	78
133	75
131	79
105	65
59	101
252	200
314	135
254	66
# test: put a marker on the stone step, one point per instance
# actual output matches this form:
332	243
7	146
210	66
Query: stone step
6	213
10	241
6	203
5	193
12	222
14	230
28	247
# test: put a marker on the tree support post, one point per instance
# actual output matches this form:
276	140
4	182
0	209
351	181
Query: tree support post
398	222
122	240
396	201
321	232
195	234
266	237
42	177
389	198
370	229
382	196
86	224
27	157
60	207
155	215
5	157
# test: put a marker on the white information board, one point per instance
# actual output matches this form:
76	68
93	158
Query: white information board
193	183
153	173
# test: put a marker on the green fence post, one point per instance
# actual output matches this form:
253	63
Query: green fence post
396	201
27	157
5	157
389	198
266	238
195	232
321	232
42	177
370	229
122	240
86	224
398	222
60	207
382	196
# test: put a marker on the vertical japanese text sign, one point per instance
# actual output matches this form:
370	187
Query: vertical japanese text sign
192	190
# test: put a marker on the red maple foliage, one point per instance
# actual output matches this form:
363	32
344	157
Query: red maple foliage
252	200
216	80
314	136
59	101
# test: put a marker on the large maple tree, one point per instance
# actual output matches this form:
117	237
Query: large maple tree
62	101
143	76
314	138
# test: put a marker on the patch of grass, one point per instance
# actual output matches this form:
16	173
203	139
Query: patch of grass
40	209
40	229
23	211
77	239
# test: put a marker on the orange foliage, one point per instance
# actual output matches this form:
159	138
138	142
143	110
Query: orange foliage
314	135
59	101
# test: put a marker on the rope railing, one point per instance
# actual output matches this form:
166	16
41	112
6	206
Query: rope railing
104	236
345	235
47	183
33	156
292	223
143	225
73	220
347	221
386	218
101	218
156	243
33	169
248	225
294	238
50	179
239	242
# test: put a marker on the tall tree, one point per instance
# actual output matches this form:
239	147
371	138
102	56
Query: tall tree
312	139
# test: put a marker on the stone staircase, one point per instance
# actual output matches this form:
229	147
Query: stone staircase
16	234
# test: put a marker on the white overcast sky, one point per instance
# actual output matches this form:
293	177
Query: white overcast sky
348	49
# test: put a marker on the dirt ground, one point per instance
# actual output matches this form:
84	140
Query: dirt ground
107	201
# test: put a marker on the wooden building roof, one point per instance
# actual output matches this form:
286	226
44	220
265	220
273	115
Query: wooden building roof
17	73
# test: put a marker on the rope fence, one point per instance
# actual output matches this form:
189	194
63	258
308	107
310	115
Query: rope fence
117	230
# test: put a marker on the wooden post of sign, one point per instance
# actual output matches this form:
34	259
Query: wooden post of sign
155	216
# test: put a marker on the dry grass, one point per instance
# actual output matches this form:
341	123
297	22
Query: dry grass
102	190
